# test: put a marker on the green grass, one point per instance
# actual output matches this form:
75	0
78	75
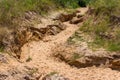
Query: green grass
52	73
101	33
114	46
29	59
107	7
10	9
100	27
75	38
76	56
32	71
1	49
110	45
67	3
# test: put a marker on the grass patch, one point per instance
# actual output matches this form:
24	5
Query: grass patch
67	3
29	59
76	56
75	38
114	46
12	12
104	35
9	9
106	7
32	71
1	49
99	25
52	73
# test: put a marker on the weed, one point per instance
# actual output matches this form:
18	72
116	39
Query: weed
99	25
76	56
1	49
32	71
52	73
68	4
114	46
76	37
105	6
29	59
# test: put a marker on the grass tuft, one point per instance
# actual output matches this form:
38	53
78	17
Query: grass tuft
100	26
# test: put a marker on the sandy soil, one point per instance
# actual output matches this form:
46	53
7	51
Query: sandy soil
40	53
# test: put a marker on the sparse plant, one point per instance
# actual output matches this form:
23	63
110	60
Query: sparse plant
114	46
29	59
10	9
1	49
106	7
68	3
52	73
76	56
100	25
32	71
76	37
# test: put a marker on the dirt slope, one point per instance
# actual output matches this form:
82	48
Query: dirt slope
40	54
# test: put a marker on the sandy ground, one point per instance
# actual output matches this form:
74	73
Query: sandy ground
40	51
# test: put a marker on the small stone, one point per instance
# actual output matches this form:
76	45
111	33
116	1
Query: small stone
76	20
3	59
66	17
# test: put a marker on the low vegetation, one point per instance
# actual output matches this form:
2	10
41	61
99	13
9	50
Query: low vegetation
10	9
11	12
104	24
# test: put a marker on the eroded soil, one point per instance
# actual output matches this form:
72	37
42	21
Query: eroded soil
52	58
